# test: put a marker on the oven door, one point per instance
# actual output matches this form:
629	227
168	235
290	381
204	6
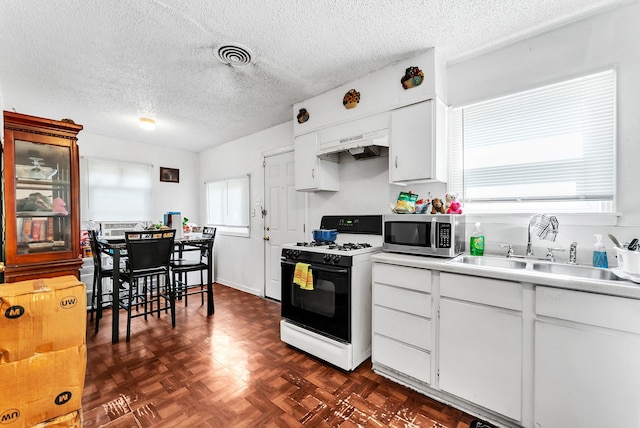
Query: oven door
326	308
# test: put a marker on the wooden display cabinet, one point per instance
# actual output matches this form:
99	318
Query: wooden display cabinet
41	198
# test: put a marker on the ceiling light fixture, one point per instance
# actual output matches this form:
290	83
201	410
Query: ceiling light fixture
147	124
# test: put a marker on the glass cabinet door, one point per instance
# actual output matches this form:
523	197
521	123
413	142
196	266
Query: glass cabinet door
43	190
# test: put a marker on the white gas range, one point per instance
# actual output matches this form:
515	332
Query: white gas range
332	321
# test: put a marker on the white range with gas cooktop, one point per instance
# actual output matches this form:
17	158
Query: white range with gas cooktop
332	319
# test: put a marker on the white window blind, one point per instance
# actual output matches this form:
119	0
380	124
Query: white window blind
228	204
117	191
554	143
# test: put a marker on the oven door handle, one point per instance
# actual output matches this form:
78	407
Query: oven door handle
320	268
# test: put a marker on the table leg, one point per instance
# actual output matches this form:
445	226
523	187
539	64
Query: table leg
210	309
115	299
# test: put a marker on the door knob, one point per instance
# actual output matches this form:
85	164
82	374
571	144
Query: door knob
266	238
266	228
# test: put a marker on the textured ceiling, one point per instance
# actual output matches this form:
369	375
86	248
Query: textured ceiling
106	63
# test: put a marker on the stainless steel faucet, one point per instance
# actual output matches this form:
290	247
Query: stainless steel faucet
509	247
573	253
529	251
532	219
551	256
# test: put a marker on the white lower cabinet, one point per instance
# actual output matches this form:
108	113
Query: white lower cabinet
402	325
480	350
587	360
517	354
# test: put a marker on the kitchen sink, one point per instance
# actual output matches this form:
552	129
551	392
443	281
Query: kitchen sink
576	271
493	262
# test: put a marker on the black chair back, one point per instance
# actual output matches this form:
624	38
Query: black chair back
209	232
95	249
149	250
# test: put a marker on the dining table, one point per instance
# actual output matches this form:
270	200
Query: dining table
116	248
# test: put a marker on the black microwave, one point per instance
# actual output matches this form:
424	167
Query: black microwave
441	235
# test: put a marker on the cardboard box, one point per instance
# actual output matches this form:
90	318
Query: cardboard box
70	420
39	316
42	387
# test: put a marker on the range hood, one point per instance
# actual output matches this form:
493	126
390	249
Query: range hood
360	146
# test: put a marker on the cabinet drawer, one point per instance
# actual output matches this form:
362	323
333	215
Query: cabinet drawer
488	291
404	327
405	300
589	308
402	276
401	357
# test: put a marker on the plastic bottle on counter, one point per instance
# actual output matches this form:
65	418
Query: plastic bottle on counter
476	243
599	253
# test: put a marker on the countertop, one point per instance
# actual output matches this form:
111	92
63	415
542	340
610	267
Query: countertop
620	288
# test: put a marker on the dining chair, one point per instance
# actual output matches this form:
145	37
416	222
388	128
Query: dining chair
180	269
147	273
100	272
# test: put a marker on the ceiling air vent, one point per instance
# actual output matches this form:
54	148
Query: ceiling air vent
234	54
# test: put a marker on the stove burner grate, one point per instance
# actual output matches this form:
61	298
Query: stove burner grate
315	244
349	246
331	245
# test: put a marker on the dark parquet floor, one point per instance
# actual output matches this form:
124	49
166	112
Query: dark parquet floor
232	370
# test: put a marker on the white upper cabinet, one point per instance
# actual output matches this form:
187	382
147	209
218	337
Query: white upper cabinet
417	150
409	118
313	173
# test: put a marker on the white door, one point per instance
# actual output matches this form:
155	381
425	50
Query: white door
284	219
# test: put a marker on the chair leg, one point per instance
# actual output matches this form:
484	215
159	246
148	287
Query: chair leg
157	298
93	295
98	300
185	286
130	303
201	288
172	301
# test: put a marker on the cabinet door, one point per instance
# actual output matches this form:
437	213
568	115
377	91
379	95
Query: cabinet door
481	355
411	147
313	173
585	377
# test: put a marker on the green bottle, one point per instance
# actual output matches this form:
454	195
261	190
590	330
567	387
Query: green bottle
476	244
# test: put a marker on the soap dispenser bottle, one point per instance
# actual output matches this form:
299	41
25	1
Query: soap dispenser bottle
599	253
476	243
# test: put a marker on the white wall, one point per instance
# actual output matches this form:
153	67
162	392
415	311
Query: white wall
364	189
183	196
596	43
239	261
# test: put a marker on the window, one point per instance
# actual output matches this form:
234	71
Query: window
116	191
554	144
228	205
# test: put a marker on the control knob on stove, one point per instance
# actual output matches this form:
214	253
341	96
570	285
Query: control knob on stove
336	258
292	254
327	258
